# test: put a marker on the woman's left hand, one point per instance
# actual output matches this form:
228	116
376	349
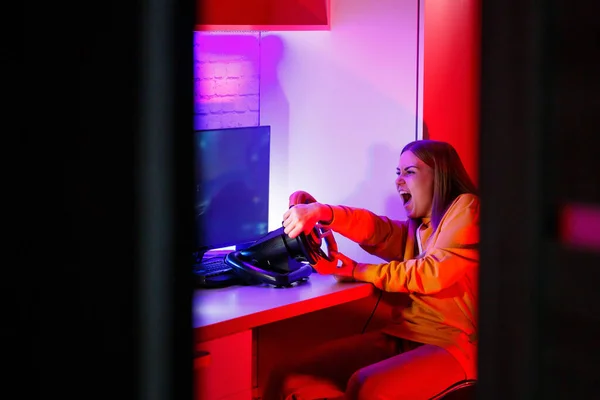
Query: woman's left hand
344	272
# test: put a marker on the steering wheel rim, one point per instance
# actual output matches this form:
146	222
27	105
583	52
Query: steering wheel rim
323	263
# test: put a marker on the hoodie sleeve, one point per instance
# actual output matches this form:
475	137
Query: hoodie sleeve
454	252
377	235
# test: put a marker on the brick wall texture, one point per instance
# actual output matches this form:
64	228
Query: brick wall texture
226	80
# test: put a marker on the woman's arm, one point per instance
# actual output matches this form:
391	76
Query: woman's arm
378	235
454	252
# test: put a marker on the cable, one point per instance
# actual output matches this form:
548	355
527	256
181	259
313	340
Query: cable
372	312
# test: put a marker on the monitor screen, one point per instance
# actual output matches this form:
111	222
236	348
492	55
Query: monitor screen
232	186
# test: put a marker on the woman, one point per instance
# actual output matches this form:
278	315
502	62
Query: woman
432	258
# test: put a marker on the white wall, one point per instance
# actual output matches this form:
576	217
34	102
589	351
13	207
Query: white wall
342	104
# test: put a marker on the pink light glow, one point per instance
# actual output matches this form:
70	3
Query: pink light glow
580	226
226	76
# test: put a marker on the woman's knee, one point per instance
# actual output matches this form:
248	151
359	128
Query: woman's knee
277	382
285	379
296	381
363	385
417	374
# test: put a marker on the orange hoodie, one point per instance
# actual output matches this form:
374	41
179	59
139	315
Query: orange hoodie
441	282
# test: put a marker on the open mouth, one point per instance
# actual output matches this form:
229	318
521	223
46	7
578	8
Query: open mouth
406	197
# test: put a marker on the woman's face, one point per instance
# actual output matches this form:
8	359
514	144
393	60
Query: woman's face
415	185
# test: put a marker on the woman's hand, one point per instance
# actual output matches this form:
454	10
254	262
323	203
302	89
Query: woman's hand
345	272
301	197
302	218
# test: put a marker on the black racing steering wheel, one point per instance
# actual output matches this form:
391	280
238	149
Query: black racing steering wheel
323	263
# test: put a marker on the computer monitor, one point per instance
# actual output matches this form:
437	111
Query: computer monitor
232	186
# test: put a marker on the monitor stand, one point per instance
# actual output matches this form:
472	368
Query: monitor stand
198	255
243	246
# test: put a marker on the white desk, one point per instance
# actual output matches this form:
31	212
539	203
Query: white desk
225	319
222	312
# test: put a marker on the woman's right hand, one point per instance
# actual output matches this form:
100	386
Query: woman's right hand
303	218
301	197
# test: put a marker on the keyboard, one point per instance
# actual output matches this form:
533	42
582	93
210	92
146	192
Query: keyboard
212	266
214	272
